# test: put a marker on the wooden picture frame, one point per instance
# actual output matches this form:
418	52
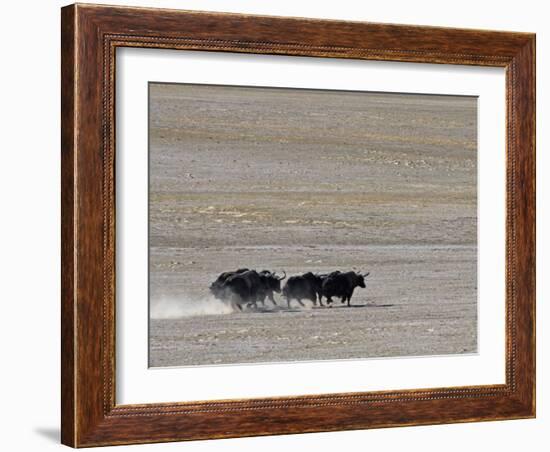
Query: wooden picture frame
90	35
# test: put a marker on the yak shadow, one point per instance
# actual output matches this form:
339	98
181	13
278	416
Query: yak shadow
343	306
273	310
278	309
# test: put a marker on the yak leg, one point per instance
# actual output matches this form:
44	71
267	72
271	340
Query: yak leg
300	301
261	299
270	296
349	297
329	302
313	297
234	300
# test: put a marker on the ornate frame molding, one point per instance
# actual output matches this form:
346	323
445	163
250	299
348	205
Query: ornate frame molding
90	37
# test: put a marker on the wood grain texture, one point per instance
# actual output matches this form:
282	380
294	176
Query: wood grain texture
68	244
90	36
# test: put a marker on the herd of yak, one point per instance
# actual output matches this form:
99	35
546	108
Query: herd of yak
249	287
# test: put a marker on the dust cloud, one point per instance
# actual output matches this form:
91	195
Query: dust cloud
182	307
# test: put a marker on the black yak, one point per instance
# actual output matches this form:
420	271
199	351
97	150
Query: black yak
342	285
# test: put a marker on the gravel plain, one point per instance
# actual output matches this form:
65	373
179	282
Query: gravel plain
307	180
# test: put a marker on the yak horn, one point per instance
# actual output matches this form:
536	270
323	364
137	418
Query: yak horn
280	278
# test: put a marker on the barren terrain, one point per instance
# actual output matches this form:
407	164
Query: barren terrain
305	180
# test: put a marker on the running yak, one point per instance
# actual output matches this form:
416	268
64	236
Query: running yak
342	285
217	286
246	287
271	283
308	286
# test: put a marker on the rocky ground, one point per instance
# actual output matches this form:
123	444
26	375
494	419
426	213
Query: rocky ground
312	180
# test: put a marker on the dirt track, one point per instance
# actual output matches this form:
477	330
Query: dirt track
305	180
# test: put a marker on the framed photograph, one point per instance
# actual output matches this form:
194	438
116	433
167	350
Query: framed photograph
281	225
